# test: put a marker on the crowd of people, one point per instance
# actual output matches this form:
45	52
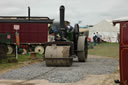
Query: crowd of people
96	39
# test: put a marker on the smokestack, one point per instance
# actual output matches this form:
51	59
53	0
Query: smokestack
62	14
28	13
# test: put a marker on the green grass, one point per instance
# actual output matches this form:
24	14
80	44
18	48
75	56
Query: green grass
21	60
105	49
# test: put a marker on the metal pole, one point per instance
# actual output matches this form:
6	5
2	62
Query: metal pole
16	46
16	52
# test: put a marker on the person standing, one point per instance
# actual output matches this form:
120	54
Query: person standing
94	39
98	38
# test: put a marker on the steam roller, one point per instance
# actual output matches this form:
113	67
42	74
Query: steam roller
67	44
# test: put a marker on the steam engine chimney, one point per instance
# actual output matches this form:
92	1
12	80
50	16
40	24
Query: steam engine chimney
62	14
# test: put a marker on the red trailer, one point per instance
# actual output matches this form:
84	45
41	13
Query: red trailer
32	32
123	52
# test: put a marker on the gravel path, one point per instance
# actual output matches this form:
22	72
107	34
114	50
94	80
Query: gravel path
94	66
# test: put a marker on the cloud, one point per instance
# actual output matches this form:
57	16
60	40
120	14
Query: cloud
88	11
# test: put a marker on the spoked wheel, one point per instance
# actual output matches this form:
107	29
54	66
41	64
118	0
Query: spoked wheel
82	49
39	49
2	53
3	50
10	49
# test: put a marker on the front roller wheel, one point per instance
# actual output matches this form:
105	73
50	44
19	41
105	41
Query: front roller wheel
58	56
82	49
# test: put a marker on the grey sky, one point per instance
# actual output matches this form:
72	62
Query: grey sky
87	11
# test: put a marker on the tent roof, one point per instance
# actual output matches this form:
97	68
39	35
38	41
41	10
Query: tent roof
104	26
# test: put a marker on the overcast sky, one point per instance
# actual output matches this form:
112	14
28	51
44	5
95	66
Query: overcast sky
87	11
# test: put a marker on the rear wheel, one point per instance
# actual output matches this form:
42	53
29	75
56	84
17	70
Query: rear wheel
82	49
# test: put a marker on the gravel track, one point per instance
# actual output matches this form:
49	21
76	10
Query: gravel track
78	71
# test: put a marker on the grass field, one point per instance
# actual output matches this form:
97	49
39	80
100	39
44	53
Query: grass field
22	59
105	49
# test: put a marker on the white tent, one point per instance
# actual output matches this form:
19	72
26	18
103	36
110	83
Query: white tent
107	31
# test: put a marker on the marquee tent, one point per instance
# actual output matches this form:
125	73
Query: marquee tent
108	32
